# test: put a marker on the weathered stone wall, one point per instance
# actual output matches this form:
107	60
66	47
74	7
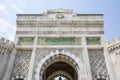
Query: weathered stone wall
7	53
114	55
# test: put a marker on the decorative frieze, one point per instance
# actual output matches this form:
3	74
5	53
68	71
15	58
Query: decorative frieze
60	32
72	16
53	23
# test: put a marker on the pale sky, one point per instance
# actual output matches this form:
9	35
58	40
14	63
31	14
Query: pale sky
9	9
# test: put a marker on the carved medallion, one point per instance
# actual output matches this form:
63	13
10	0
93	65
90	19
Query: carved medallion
59	16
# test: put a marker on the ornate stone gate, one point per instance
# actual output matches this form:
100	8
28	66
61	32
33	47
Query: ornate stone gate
59	44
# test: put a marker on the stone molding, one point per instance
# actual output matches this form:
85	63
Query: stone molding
59	10
44	23
60	32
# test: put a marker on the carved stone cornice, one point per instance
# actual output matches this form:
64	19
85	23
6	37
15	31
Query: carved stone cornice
35	23
59	32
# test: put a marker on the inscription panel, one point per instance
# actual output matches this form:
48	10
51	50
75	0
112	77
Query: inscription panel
26	40
93	40
59	41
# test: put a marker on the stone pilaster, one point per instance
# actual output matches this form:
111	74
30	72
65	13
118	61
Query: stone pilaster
10	65
30	73
86	59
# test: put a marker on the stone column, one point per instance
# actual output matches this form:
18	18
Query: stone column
87	61
32	60
10	65
3	63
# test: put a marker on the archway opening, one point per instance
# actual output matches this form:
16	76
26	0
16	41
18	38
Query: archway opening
19	79
60	71
56	58
60	78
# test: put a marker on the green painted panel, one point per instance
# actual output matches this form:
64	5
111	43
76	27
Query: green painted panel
93	40
59	41
26	41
